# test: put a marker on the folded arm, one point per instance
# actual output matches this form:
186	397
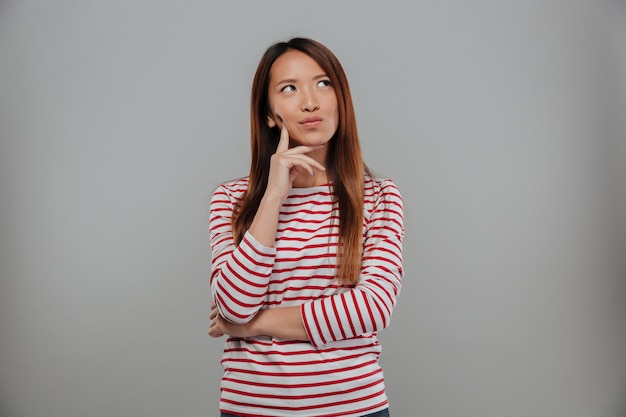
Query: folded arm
367	307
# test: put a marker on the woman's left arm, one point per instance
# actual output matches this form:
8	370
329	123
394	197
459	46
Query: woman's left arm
366	308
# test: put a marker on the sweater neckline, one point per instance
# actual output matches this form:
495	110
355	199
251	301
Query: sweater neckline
308	190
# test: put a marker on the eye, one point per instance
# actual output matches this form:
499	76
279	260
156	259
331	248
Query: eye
323	83
288	88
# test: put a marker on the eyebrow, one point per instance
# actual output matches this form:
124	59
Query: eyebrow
293	80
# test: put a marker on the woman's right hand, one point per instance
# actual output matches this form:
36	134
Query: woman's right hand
287	163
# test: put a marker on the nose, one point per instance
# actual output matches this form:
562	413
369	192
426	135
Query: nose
309	101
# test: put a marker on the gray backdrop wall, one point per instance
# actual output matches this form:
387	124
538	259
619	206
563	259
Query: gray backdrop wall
501	121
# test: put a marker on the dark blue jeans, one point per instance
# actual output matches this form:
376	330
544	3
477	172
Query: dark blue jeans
383	413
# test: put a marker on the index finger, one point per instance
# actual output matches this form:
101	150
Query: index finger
283	143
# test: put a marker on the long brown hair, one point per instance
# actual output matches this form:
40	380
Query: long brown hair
345	167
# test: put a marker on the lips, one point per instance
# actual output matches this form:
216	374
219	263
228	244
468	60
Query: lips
310	121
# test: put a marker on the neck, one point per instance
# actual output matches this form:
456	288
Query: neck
304	179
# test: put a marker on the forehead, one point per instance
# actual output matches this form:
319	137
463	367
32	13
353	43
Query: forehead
294	65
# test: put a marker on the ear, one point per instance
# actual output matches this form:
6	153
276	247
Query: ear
271	122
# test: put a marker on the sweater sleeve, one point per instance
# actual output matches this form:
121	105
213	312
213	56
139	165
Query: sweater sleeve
367	307
239	273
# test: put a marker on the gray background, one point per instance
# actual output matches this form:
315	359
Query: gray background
501	121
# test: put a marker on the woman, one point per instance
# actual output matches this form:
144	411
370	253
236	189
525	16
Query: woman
306	251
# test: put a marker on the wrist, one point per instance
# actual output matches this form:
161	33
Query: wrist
271	200
255	326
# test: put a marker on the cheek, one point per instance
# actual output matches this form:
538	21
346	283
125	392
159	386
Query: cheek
274	103
280	108
336	114
335	106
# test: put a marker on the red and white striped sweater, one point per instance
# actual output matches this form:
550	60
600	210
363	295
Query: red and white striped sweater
336	373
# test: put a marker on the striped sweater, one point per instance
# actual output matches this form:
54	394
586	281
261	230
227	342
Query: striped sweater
336	372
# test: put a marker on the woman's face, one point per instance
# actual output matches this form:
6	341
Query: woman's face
301	94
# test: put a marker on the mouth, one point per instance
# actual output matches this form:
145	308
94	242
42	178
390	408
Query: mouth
311	121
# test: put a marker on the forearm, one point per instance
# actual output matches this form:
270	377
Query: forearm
265	222
282	323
